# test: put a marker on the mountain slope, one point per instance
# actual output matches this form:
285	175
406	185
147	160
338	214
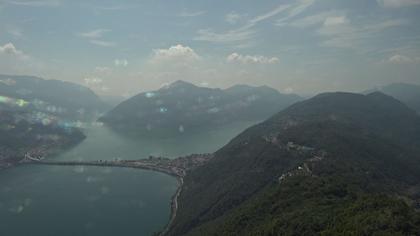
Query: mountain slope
183	107
406	93
317	159
58	98
21	134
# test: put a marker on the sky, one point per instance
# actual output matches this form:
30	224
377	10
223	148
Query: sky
126	47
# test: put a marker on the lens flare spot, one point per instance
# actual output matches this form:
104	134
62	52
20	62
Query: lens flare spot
21	103
150	94
13	102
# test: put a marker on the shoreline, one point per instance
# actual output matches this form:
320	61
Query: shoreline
177	168
174	206
178	173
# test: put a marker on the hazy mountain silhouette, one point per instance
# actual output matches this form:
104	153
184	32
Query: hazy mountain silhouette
22	132
55	97
407	93
182	107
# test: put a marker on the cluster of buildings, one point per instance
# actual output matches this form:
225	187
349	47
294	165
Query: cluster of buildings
35	154
178	166
305	168
299	148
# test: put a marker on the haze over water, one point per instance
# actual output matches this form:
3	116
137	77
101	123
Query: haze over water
53	200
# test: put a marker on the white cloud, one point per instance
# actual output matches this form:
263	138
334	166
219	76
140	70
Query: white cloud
35	3
269	14
176	62
191	14
335	20
312	20
102	43
95	37
93	81
246	31
10	50
103	70
342	33
225	37
298	8
242	33
15	61
402	59
289	90
398	3
94	34
248	59
233	18
121	62
96	83
177	53
386	24
120	7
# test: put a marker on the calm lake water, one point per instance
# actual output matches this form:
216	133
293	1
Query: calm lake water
76	201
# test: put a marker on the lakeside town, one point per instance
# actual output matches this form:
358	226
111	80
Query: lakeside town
10	158
177	167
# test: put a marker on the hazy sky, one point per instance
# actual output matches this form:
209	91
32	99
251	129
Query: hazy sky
124	47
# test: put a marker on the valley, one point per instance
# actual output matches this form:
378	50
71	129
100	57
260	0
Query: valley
327	154
209	118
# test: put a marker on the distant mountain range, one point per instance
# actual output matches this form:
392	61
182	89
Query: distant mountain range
185	108
407	93
54	97
336	164
39	117
21	134
112	100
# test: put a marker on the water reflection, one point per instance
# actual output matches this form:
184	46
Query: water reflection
57	200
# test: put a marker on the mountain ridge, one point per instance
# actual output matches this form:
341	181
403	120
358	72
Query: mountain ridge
405	92
332	142
183	107
59	98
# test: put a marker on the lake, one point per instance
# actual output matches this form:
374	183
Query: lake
69	201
